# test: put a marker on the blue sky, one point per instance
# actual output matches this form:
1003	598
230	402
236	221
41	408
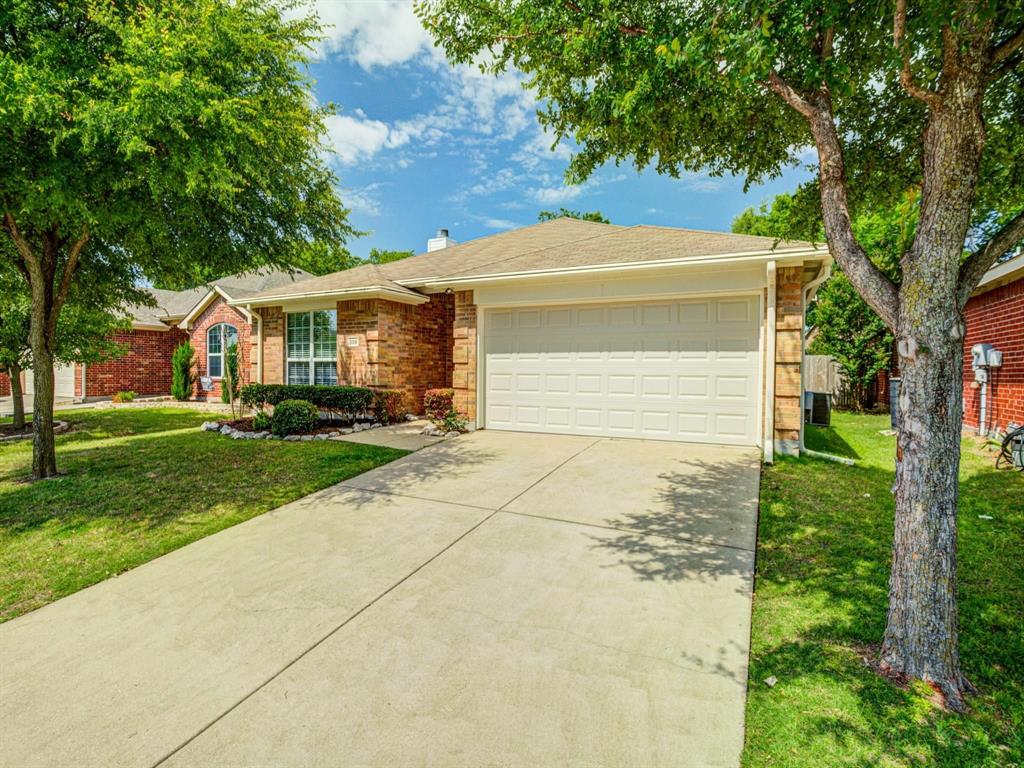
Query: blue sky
421	145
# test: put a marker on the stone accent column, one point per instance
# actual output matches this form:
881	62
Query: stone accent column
273	345
789	324
464	355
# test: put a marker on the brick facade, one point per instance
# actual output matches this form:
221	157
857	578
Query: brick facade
464	355
396	346
220	312
145	368
789	339
997	318
273	347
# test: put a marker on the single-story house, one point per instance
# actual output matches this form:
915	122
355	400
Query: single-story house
202	315
568	327
995	315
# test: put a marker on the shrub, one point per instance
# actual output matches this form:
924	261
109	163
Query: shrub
182	371
388	405
438	403
337	401
124	396
261	421
229	383
292	416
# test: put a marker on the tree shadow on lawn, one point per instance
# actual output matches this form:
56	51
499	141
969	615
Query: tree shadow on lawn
828	440
142	482
820	605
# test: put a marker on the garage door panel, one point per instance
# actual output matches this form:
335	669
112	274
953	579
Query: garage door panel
684	370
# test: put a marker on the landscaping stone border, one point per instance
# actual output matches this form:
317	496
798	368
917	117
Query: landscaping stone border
59	428
239	434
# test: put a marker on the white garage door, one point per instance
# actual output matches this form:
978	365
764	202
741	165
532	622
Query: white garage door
668	370
63	382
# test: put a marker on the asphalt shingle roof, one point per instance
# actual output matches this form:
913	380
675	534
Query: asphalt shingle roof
558	244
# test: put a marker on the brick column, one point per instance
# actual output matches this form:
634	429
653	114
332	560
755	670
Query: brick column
464	355
359	365
789	324
273	345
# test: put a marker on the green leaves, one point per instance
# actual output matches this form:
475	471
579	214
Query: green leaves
183	134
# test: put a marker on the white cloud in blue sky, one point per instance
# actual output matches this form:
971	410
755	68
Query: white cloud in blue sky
421	145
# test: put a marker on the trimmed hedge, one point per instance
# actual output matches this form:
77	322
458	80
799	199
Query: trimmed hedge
292	416
388	406
335	400
438	403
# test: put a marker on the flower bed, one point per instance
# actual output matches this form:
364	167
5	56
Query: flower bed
242	429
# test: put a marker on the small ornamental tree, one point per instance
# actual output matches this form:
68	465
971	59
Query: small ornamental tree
230	382
183	371
175	140
926	94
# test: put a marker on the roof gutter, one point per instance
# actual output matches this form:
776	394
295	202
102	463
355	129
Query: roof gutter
739	258
342	294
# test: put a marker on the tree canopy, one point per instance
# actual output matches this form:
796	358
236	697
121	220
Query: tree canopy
569	214
179	141
383	256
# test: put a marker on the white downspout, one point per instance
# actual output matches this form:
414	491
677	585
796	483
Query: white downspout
808	294
769	385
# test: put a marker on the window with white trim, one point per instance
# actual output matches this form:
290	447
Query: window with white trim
218	338
312	347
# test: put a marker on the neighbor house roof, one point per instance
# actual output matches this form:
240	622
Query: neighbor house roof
174	306
553	246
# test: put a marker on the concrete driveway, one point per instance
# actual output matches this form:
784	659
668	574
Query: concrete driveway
499	599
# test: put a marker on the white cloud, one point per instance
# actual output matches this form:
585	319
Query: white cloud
355	138
363	199
561	194
538	150
500	224
372	33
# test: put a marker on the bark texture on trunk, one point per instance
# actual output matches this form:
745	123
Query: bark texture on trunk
920	638
17	396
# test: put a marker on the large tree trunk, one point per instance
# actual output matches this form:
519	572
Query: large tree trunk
921	630
17	396
44	457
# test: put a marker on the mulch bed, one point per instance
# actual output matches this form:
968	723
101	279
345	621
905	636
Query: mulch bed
8	430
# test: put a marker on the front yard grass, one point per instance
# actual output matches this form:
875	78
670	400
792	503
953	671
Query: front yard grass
138	484
821	590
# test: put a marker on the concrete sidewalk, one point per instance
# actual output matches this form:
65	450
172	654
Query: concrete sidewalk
493	599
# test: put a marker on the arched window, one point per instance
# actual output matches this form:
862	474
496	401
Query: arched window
218	339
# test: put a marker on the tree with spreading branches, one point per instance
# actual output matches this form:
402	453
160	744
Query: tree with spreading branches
928	94
177	140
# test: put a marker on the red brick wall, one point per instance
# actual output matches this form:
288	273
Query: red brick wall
415	347
358	365
220	312
145	368
273	347
997	318
398	346
5	385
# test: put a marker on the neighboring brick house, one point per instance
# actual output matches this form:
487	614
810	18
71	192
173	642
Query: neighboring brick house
201	314
567	327
995	315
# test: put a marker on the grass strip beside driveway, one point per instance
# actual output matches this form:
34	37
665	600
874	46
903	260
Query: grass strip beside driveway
140	483
821	594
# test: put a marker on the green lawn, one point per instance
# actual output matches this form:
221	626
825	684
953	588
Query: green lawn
820	599
140	483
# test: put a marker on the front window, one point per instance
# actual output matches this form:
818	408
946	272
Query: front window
218	339
313	347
